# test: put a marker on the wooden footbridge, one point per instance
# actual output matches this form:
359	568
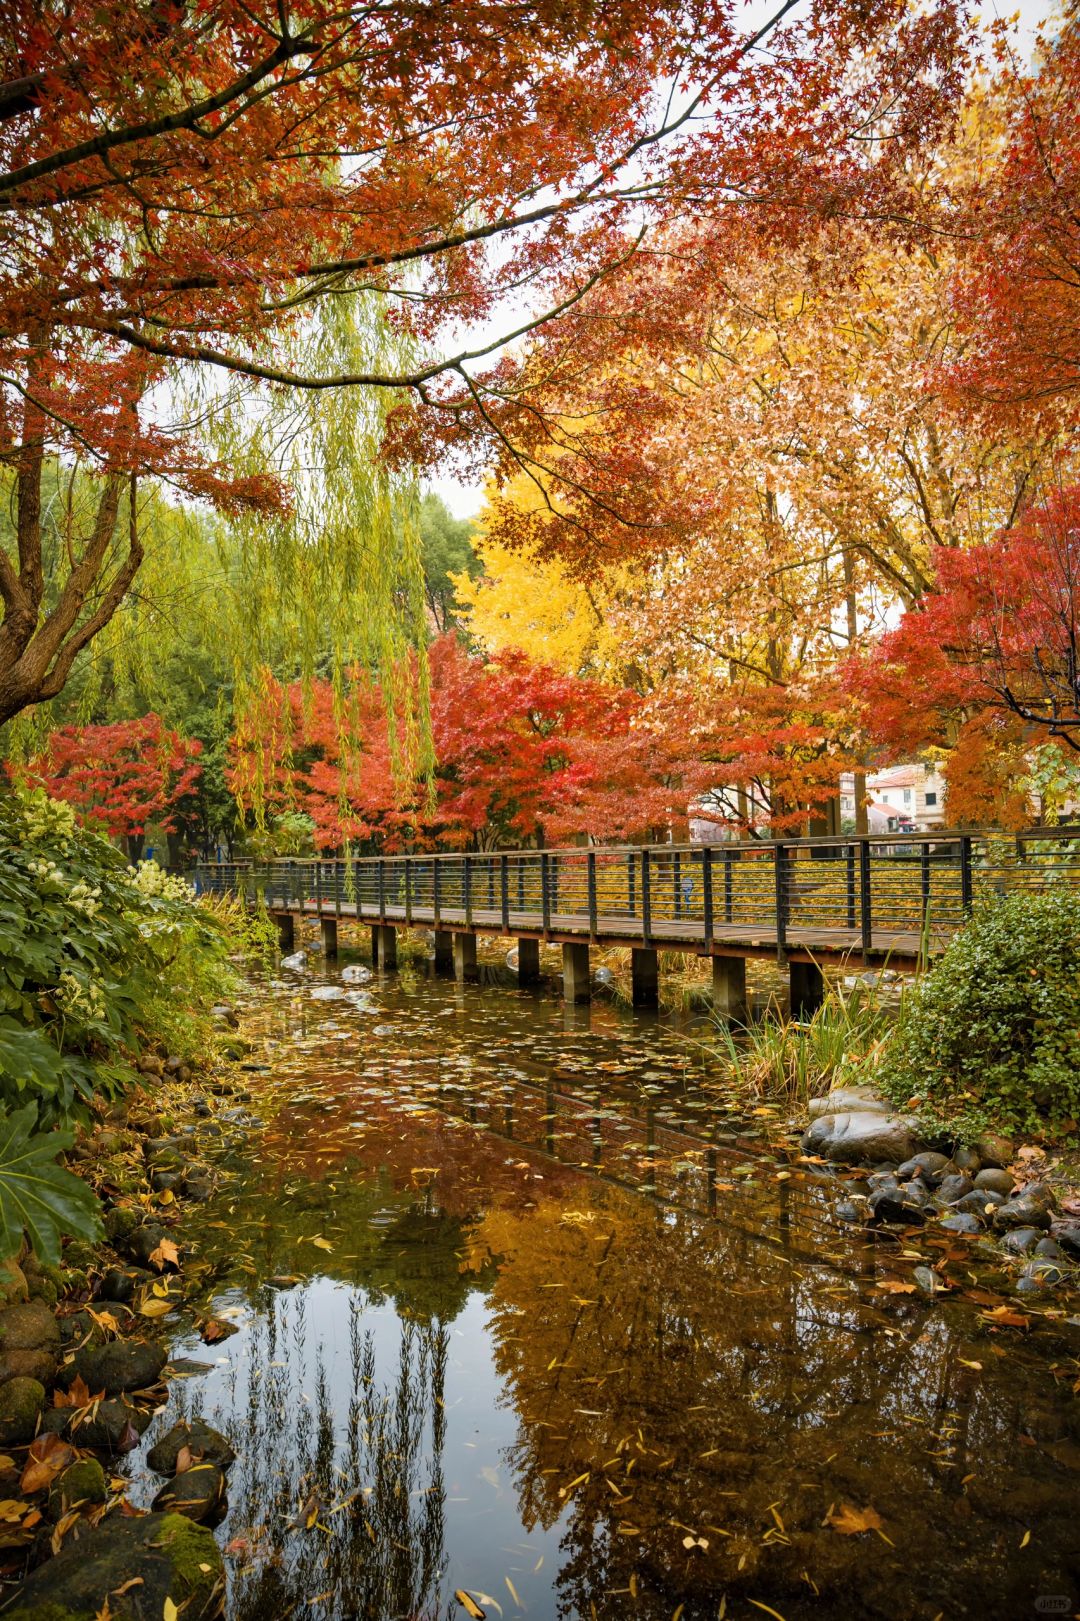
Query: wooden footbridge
802	902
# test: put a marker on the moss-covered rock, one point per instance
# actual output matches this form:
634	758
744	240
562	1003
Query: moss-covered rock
21	1403
118	1366
81	1482
13	1286
121	1220
174	1558
32	1327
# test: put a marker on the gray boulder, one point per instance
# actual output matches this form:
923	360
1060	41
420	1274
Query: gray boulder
859	1135
846	1098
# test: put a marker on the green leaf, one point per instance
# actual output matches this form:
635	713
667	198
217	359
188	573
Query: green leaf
37	1195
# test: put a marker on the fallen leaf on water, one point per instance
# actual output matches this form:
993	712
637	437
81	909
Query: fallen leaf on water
1025	1539
469	1604
1006	1317
851	1521
695	1542
964	1363
323	1244
170	1612
893	1286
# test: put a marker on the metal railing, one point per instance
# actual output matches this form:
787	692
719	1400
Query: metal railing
866	891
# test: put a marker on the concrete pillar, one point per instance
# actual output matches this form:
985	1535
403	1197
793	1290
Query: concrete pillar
528	962
729	988
444	951
575	972
645	977
329	936
286	928
464	956
807	988
384	946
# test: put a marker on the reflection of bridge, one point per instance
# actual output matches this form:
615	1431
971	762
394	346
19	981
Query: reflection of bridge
803	901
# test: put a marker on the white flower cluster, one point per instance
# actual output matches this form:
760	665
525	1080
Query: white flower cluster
45	818
83	998
46	873
84	899
154	882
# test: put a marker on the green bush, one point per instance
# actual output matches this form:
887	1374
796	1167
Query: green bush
99	962
991	1035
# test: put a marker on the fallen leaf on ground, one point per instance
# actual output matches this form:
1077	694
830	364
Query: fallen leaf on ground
48	1456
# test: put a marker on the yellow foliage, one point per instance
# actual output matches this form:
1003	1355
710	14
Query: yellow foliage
534	606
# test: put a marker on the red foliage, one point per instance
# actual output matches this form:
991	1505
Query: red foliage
1018	300
988	664
520	751
120	777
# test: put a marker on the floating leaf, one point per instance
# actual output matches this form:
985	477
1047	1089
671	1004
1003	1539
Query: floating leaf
851	1521
469	1604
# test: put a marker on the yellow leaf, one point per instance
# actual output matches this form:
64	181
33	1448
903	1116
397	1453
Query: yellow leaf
964	1363
513	1591
170	1612
1025	1539
469	1604
851	1521
156	1307
323	1244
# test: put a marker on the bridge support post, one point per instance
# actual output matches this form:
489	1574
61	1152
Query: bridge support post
384	946
807	988
286	929
729	988
329	936
464	957
528	962
575	972
644	977
444	951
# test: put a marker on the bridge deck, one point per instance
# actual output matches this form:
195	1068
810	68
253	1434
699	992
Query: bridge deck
823	899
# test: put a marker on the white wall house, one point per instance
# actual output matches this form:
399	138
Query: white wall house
903	795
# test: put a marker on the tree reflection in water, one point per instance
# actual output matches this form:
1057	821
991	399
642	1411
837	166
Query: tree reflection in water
343	1499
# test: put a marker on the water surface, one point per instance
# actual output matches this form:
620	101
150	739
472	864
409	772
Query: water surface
526	1308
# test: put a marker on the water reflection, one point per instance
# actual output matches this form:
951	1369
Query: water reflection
563	1337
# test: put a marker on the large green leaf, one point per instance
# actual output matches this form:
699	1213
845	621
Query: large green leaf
37	1196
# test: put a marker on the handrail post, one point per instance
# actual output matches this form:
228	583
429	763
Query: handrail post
545	897
780	865
382	890
850	863
924	881
630	868
435	912
966	888
866	921
318	886
338	874
706	890
504	891
729	909
408	892
590	864
466	889
676	882
646	897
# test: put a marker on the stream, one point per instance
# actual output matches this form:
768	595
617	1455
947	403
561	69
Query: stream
531	1316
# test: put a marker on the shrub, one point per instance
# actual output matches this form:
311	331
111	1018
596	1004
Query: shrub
98	962
992	1033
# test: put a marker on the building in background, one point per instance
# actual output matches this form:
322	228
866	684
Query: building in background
905	798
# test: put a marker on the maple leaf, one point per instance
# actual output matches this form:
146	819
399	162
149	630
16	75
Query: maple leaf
166	1254
77	1395
851	1521
48	1456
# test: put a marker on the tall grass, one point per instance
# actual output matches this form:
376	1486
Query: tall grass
785	1060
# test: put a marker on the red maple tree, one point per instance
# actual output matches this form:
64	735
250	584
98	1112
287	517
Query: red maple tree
521	753
120	778
987	666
